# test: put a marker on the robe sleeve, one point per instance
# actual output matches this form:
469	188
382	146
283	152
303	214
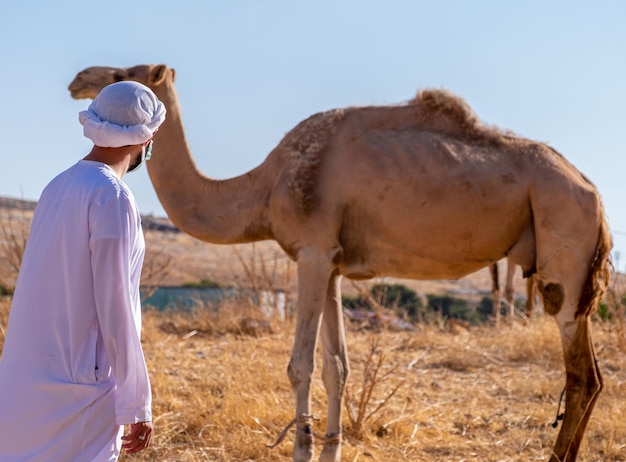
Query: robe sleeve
114	236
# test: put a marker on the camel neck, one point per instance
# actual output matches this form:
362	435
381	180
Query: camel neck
229	209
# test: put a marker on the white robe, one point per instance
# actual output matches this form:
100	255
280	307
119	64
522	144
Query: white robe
72	370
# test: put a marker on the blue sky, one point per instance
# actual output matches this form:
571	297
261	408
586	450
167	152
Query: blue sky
249	71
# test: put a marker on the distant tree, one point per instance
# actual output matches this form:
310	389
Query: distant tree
604	312
400	298
206	283
453	308
358	302
485	309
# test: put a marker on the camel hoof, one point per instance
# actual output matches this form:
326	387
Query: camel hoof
303	448
331	452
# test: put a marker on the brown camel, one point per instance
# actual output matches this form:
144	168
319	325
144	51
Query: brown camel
509	293
420	190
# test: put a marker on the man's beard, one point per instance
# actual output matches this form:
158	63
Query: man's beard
136	164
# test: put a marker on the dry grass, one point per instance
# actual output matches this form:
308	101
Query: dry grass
221	394
14	230
468	395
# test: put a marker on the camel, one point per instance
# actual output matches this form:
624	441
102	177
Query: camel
509	293
420	190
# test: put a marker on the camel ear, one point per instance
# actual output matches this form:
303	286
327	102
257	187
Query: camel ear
157	74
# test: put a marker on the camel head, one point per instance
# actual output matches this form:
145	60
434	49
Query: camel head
89	82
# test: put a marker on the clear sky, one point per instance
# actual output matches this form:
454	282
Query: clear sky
248	71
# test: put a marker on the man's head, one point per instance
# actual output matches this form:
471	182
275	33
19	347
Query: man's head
123	114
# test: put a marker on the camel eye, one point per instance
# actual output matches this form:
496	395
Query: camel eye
118	77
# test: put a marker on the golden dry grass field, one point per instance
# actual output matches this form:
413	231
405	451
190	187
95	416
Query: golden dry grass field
475	394
444	392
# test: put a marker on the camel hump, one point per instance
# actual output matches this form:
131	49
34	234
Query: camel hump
303	147
441	103
442	111
436	110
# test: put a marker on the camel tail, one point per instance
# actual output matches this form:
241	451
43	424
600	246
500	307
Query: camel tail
599	274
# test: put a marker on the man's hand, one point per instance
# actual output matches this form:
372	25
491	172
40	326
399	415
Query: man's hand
138	438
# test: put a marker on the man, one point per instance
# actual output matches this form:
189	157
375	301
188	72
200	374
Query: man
72	372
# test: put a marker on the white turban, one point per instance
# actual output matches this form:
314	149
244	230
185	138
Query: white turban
122	114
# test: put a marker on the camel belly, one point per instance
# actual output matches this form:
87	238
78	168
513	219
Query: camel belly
427	243
409	267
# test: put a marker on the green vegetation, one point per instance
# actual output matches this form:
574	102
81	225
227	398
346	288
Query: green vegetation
407	304
203	283
449	307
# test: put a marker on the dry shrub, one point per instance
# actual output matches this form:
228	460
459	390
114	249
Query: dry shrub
616	302
240	316
5	305
156	266
14	231
267	273
364	407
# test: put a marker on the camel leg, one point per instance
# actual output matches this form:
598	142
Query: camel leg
583	386
531	292
313	276
495	293
509	291
583	423
335	368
